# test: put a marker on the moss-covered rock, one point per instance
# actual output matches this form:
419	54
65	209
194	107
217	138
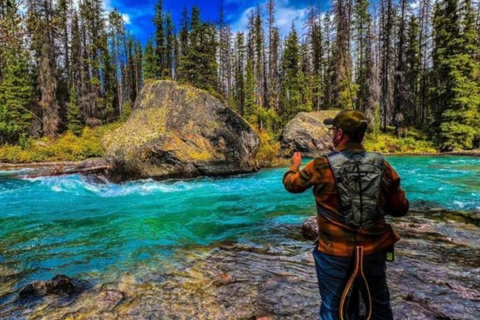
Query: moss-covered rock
306	133
178	131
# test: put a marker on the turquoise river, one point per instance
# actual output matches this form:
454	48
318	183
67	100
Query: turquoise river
98	231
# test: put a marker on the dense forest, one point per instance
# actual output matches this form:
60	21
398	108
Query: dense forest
405	64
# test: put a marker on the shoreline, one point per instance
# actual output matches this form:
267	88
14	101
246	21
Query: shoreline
276	163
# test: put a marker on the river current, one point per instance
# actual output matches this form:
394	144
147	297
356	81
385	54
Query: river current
99	231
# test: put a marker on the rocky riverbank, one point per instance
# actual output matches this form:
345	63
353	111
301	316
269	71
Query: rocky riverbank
435	276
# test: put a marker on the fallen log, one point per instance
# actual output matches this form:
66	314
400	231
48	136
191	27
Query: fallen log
65	171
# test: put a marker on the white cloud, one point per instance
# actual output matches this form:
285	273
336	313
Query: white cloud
126	18
285	14
107	5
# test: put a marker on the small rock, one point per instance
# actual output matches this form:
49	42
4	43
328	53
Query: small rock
109	299
226	278
310	228
265	318
93	122
59	285
41	144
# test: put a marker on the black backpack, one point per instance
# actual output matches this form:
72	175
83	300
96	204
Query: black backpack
358	176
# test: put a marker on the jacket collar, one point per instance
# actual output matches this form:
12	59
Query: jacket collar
350	146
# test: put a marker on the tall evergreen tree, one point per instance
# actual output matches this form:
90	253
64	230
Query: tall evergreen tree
239	74
16	98
41	25
224	55
456	92
342	91
327	79
199	66
292	78
425	40
259	60
168	72
74	115
149	61
363	72
317	58
158	22
387	60
413	61
273	58
402	95
184	24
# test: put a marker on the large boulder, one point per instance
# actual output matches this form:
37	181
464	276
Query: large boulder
307	133
178	131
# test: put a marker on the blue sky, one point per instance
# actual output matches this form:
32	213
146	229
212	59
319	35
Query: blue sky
138	14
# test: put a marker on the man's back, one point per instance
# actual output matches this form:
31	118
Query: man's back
336	238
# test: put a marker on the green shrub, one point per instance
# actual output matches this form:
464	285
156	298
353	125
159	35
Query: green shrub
413	143
269	148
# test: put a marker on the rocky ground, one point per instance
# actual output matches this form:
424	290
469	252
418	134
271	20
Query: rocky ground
436	275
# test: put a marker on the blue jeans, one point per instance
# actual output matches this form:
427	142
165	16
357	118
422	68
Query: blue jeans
333	274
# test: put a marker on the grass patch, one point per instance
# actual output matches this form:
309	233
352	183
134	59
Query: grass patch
414	142
67	147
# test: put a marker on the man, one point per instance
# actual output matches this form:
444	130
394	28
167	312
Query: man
353	191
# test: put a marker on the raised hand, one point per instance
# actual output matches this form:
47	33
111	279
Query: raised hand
297	159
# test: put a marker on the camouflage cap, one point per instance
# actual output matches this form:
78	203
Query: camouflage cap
350	121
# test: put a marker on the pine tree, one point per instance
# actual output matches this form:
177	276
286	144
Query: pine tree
149	61
402	99
199	67
9	30
362	24
306	77
184	23
160	39
63	16
317	58
342	91
456	92
76	51
292	76
224	56
327	78
413	61
74	115
425	40
259	60
138	60
239	76
168	72
387	60
108	74
273	59
176	57
16	98
250	106
40	24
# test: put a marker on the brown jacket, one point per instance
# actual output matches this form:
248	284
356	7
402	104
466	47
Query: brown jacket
335	238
